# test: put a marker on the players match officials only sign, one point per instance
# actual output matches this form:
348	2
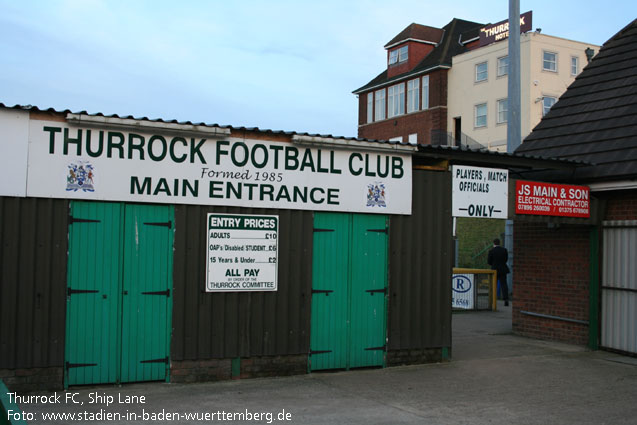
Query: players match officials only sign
242	253
480	192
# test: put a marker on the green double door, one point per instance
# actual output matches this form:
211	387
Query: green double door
349	287
119	293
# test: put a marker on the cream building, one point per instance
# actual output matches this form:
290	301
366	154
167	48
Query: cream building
477	88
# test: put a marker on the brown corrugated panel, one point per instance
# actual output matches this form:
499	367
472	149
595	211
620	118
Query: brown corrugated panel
33	249
227	325
420	267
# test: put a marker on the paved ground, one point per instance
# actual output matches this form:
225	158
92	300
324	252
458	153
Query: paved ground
494	378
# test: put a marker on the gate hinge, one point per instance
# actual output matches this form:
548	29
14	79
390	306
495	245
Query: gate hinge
71	291
383	348
72	365
319	351
166	293
162	360
322	291
385	230
82	220
372	291
168	224
322	230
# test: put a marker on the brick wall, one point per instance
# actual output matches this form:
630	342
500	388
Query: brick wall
421	122
622	205
221	369
551	276
410	357
33	379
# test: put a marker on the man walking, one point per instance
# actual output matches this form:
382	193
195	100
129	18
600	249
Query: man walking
497	259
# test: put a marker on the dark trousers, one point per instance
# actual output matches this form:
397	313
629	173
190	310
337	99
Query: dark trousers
504	287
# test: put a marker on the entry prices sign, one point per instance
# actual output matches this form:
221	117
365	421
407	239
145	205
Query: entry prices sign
563	200
242	253
462	293
480	192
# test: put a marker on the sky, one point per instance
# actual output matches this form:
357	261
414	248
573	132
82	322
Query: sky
277	64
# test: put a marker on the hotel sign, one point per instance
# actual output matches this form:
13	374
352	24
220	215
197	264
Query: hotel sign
500	31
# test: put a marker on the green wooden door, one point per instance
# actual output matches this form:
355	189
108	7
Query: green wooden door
368	290
147	284
330	297
94	267
119	293
349	281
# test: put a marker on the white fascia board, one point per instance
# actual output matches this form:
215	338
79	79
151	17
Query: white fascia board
617	185
128	123
411	39
352	144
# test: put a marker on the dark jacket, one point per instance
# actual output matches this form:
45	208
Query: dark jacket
497	259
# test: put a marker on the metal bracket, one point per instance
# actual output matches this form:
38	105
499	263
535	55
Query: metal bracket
166	293
71	291
168	224
82	220
319	351
373	291
385	230
383	348
72	365
162	360
322	291
322	230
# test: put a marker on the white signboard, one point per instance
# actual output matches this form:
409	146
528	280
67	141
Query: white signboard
242	253
462	293
13	152
480	192
176	168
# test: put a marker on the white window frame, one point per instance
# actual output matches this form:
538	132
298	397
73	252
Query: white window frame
501	113
502	70
399	55
370	107
425	92
574	65
545	61
476	116
413	95
379	103
545	108
396	100
479	77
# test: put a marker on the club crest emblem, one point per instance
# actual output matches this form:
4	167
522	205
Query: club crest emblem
376	195
80	177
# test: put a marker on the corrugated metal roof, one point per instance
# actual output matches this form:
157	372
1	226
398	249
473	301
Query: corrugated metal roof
203	124
446	151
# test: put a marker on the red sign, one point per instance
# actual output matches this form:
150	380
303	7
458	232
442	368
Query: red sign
537	198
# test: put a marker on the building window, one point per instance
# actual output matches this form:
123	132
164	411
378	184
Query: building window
503	66
398	55
574	65
503	109
379	111
549	62
425	92
413	95
481	115
370	107
482	72
547	103
396	100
